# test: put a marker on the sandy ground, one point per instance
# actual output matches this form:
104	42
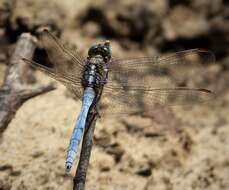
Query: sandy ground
33	148
186	148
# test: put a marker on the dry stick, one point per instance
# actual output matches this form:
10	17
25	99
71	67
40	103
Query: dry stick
14	91
81	172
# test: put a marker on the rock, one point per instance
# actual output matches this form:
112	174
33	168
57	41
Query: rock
106	163
6	7
145	172
30	15
91	29
207	7
2	57
183	22
116	150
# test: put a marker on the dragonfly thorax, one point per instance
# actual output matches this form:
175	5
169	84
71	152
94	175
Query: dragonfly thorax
96	72
93	75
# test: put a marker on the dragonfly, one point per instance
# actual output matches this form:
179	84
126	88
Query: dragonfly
124	85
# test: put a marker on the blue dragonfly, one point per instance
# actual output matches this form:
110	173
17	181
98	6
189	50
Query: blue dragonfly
126	86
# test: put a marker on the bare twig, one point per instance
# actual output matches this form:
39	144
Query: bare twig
81	172
14	91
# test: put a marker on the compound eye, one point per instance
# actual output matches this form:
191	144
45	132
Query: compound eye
92	50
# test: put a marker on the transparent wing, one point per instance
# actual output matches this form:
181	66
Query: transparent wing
66	67
65	63
141	100
134	84
73	86
162	69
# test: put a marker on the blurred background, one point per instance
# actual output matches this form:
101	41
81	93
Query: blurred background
185	148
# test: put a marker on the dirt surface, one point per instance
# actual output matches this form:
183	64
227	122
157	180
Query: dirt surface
168	149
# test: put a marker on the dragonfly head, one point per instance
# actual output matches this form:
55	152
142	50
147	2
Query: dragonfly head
101	49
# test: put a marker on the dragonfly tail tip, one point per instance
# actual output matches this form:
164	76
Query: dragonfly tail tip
68	167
